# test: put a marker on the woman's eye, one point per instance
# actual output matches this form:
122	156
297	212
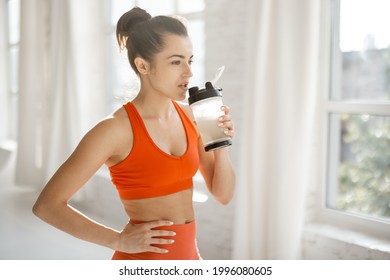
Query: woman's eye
178	62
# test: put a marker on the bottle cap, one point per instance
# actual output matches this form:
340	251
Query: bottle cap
197	94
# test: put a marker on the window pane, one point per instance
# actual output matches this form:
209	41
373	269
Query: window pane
364	24
196	31
185	6
13	73
359	172
14	21
362	51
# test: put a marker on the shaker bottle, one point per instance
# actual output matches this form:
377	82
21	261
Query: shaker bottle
206	106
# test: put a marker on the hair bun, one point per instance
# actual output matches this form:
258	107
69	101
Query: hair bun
128	21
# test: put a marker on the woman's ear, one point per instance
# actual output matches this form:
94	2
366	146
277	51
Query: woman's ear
142	65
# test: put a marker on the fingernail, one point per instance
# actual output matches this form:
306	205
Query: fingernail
165	251
220	119
220	124
173	233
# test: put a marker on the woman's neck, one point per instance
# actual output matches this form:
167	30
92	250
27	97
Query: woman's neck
153	105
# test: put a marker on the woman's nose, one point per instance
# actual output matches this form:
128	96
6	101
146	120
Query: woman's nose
188	70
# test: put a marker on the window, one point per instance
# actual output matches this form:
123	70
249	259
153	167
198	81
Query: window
10	17
358	111
123	83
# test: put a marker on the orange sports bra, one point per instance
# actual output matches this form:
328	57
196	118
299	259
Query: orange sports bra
148	171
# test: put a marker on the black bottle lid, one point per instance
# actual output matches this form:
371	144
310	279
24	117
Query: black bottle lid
197	94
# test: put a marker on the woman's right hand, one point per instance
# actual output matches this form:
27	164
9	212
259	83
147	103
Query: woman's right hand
138	238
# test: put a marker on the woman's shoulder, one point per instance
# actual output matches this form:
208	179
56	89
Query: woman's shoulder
113	122
115	128
112	134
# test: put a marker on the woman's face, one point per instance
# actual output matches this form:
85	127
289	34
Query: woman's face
170	71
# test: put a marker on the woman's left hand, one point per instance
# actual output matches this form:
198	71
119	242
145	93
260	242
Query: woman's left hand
226	122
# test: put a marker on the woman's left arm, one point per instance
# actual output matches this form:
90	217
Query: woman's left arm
216	166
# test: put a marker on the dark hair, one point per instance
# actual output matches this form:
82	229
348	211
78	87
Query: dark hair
143	35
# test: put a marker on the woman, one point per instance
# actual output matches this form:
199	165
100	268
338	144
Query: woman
152	149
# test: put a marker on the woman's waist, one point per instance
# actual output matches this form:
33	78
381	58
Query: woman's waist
178	209
150	217
178	216
188	227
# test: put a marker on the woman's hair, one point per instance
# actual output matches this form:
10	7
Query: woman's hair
143	35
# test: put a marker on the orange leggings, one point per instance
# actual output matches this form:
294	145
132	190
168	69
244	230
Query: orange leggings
184	247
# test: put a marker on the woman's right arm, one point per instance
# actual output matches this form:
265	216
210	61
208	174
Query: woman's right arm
97	146
52	205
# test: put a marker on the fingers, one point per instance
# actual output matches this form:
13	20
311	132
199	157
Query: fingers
150	231
161	241
158	223
160	233
226	122
150	235
226	109
157	241
155	249
155	224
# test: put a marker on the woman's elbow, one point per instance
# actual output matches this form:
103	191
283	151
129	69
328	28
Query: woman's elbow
39	209
225	198
42	209
223	201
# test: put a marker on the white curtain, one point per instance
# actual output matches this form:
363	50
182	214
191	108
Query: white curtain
4	86
278	137
61	82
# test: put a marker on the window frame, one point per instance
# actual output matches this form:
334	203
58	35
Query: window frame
365	224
